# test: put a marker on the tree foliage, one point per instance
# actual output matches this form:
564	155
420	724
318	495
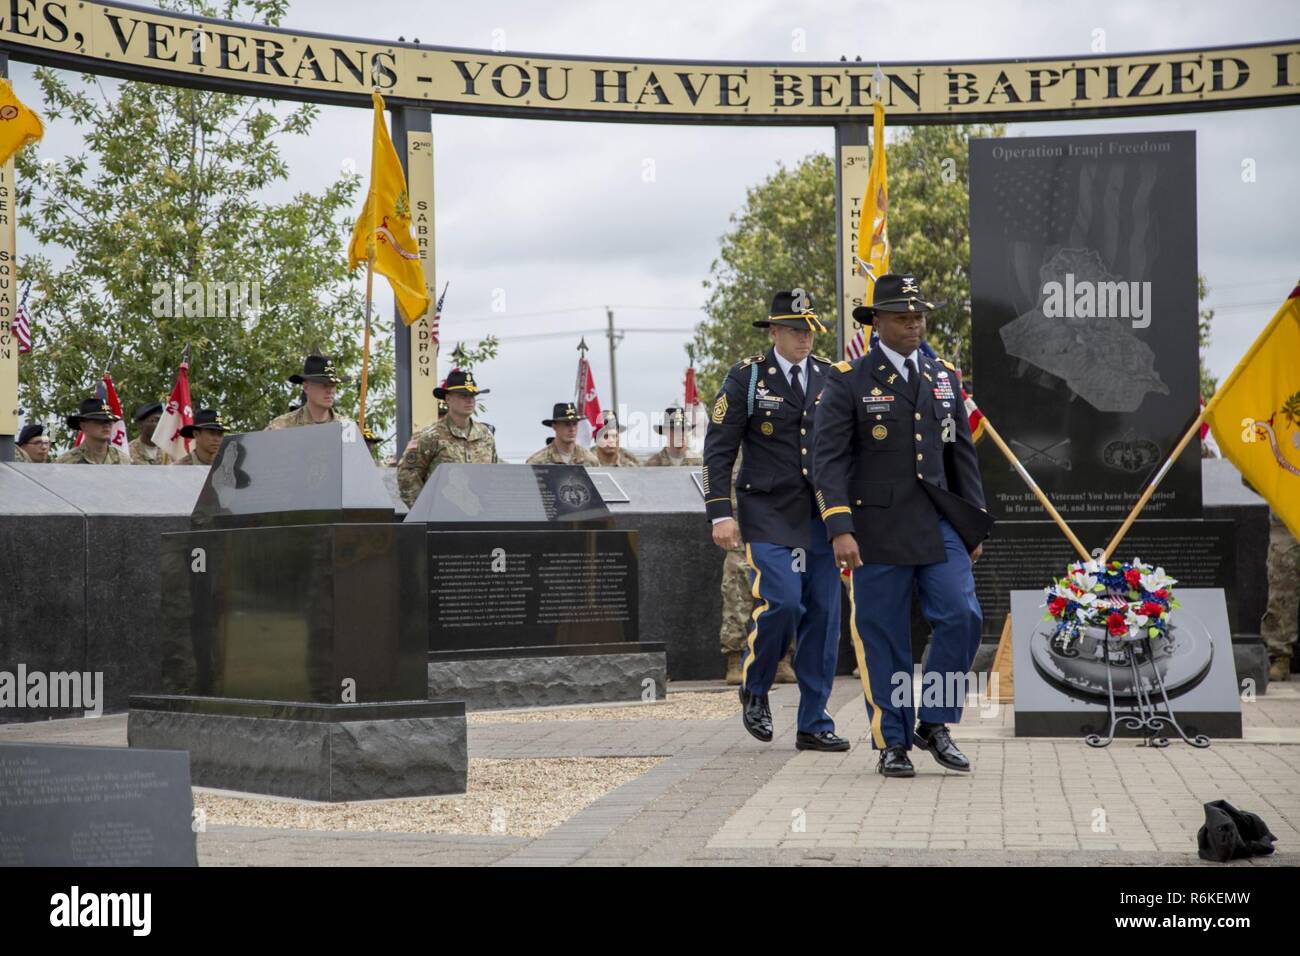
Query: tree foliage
784	237
172	188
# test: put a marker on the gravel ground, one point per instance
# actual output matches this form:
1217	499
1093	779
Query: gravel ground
523	798
699	705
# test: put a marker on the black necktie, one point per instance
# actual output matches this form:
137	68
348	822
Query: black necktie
796	385
913	379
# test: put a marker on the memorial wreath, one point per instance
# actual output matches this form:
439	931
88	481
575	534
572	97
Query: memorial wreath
1128	601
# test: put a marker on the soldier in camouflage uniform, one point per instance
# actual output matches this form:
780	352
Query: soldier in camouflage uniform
455	438
95	420
320	382
738	605
563	448
608	450
675	452
142	450
32	445
206	432
1278	627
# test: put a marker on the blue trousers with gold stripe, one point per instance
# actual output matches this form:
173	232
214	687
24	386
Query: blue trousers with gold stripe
796	598
881	599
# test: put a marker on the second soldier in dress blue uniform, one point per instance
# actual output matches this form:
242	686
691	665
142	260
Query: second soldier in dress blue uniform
900	491
765	409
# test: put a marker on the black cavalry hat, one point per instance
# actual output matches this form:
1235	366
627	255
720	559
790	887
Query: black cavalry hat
147	409
793	310
563	412
674	415
319	368
204	418
610	420
92	409
894	292
459	380
29	432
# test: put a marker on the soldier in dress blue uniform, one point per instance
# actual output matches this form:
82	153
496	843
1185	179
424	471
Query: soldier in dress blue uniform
899	488
766	405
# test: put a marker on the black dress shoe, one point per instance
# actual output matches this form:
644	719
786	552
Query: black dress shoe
756	715
822	740
894	762
938	741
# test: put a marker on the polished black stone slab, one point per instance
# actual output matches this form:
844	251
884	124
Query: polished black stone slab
1032	554
295	613
549	650
296	710
1205	701
64	805
506	496
523	588
293	476
1091	403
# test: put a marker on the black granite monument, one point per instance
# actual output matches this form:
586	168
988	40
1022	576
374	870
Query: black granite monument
532	593
294	641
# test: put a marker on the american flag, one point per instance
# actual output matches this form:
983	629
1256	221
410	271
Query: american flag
23	323
856	347
437	315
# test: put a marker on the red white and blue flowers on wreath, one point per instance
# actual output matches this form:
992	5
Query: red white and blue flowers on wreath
1131	601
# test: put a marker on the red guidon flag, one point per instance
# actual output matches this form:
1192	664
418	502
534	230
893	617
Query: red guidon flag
697	421
176	415
587	400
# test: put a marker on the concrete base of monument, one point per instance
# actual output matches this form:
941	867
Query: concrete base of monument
502	678
326	752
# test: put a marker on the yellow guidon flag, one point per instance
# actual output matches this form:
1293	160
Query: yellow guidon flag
1255	414
18	124
382	234
873	236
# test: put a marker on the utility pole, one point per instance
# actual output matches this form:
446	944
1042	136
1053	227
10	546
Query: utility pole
614	339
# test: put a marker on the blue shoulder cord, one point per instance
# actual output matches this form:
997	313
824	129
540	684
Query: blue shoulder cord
753	384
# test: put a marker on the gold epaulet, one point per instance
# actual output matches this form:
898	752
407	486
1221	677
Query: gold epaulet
745	363
842	366
948	364
824	360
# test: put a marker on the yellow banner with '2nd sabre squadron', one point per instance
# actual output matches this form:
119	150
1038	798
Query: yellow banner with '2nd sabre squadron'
1255	414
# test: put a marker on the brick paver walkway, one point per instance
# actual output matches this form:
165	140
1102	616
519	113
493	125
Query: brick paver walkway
723	798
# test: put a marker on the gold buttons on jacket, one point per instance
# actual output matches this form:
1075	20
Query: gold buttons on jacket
858	501
804	470
803	451
803	431
918	416
918	437
919	457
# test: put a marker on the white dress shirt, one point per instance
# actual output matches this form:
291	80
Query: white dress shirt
900	360
785	365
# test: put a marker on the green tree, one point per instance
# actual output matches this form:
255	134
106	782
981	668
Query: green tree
1205	318
784	236
172	189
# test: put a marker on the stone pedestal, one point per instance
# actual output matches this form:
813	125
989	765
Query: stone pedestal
327	752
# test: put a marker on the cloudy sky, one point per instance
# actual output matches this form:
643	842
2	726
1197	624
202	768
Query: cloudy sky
557	218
